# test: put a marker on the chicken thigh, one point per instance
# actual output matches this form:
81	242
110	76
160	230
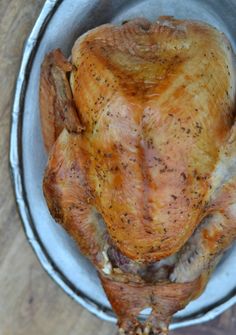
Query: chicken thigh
139	127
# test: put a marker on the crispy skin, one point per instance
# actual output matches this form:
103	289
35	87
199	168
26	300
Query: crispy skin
56	102
212	238
165	299
155	118
148	143
217	231
69	201
68	197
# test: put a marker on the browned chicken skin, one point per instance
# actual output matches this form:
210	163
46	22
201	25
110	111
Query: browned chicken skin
140	132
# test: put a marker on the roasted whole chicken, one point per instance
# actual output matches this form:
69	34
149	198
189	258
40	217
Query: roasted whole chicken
139	127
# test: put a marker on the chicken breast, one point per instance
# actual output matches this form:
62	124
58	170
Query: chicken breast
140	132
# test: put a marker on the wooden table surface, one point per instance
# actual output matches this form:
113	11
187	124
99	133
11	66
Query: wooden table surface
30	302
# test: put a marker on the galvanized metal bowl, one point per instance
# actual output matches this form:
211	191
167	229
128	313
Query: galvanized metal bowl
58	25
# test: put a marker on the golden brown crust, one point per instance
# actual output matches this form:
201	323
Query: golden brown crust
165	299
56	102
156	123
68	197
153	127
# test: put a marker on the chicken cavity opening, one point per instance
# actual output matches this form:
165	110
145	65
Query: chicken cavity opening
113	260
183	266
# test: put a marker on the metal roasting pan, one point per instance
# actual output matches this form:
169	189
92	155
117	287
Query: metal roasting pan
58	25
